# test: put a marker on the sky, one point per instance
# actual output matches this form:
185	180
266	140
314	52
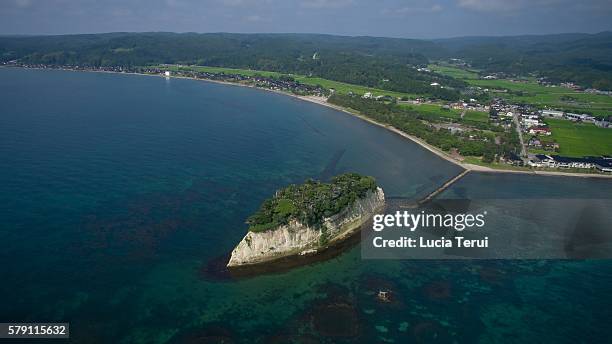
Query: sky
388	18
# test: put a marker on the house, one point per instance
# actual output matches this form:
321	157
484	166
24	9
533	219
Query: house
540	160
602	164
167	73
534	142
539	131
453	128
513	159
528	122
367	95
576	117
553	113
550	146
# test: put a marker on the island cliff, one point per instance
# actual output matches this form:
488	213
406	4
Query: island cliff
342	209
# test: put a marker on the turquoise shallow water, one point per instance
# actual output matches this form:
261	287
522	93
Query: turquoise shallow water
117	191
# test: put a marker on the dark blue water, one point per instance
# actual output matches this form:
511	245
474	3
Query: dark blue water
117	190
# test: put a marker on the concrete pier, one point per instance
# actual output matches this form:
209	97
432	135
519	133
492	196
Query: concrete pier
394	203
442	188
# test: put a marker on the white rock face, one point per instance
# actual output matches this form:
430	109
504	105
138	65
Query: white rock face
295	238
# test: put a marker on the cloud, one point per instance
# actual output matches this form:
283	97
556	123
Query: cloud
174	3
121	12
236	3
316	4
232	2
254	18
513	7
519	5
492	5
402	11
23	3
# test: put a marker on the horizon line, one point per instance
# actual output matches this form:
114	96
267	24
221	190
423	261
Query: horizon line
299	33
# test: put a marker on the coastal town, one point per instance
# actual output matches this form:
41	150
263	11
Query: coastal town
470	119
285	84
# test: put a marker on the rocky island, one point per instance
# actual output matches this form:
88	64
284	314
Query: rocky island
305	219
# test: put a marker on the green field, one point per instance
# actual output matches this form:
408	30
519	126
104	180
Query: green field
554	97
434	112
219	70
540	96
454	72
579	140
496	165
476	116
338	86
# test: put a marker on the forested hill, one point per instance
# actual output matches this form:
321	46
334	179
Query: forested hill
386	63
376	62
585	59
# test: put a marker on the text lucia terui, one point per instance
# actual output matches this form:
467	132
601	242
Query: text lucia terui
418	221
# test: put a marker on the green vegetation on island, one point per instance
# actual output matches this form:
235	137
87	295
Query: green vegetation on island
311	202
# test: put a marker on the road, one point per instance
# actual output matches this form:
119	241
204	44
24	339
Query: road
517	123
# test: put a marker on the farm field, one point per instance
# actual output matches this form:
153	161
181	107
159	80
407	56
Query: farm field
476	116
340	87
533	93
434	112
453	72
554	97
246	72
577	140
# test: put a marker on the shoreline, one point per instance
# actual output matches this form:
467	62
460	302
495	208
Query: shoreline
444	155
323	102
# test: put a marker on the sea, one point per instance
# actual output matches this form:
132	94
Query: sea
118	193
